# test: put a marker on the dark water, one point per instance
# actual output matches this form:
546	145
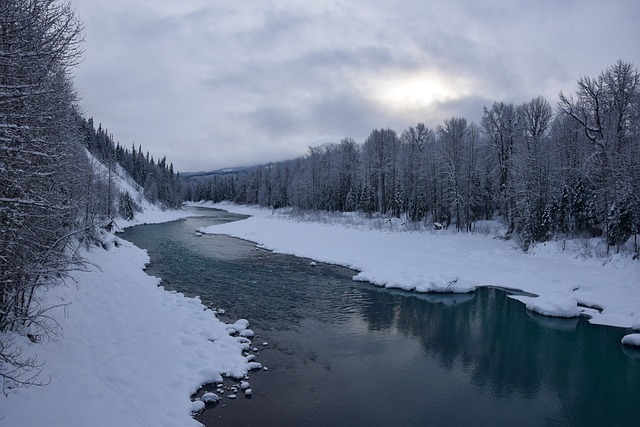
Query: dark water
345	353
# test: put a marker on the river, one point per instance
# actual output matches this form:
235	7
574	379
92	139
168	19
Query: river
347	353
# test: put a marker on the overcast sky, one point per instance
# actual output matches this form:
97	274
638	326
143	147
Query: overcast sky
213	83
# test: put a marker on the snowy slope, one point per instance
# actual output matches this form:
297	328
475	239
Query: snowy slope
151	214
131	353
565	282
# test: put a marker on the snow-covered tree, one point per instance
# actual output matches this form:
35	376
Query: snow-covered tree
606	108
41	163
502	127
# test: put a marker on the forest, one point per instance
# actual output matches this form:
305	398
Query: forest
564	172
54	197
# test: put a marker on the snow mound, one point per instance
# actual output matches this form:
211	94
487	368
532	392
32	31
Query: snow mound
550	305
197	406
636	324
419	282
254	365
631	340
239	325
210	397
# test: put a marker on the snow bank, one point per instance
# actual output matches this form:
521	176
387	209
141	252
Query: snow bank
440	261
631	340
131	355
553	305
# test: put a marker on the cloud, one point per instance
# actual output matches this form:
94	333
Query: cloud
213	84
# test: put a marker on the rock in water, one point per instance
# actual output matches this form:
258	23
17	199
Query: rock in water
210	397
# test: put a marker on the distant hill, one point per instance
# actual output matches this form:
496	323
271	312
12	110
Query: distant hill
217	172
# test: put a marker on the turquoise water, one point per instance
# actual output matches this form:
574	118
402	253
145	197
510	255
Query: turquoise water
346	353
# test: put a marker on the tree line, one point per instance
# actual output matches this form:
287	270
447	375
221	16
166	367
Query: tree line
53	199
570	172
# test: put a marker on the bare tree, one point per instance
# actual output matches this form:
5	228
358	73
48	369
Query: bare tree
39	205
606	108
415	144
531	180
501	125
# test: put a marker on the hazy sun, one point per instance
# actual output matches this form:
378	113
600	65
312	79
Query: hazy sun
416	91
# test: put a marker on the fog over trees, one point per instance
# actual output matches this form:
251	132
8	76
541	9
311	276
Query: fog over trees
569	171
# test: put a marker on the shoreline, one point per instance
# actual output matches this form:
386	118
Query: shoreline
556	282
130	352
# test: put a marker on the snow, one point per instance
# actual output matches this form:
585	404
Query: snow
210	397
632	340
151	214
565	280
130	353
197	406
240	325
553	305
125	339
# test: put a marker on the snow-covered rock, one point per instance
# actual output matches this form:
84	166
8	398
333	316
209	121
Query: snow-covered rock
239	325
210	397
631	340
254	365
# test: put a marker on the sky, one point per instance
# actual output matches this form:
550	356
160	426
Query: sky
215	84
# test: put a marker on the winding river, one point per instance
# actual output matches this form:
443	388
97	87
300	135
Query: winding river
345	353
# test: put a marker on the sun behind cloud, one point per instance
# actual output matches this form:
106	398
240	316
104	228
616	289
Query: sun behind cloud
417	90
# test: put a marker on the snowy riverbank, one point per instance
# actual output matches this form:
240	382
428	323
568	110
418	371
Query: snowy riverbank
567	283
130	354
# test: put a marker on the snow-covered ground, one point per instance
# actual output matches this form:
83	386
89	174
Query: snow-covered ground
566	283
130	353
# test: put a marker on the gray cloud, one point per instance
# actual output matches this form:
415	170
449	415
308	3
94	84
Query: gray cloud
212	85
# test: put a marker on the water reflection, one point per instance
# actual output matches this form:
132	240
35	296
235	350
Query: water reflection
513	353
348	353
